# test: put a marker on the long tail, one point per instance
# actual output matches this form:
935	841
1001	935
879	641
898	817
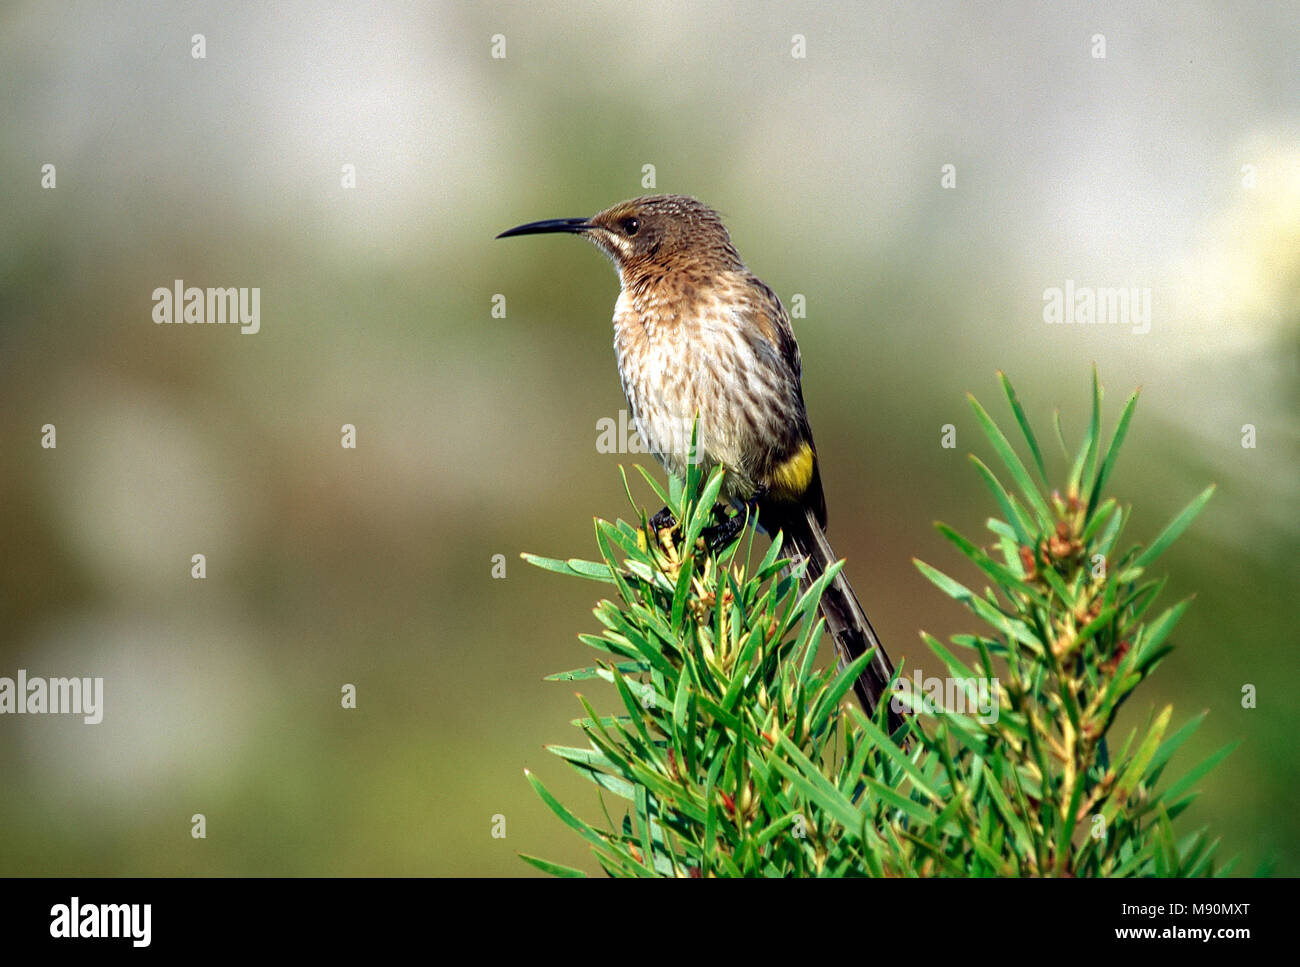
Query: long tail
845	619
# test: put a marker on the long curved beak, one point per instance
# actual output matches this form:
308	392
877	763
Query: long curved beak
571	225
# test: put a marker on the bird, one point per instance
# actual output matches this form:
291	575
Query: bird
696	333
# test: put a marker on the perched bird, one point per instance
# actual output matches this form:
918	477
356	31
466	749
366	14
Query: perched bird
696	332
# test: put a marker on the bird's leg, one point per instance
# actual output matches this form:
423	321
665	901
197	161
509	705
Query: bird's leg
663	531
664	520
721	535
718	536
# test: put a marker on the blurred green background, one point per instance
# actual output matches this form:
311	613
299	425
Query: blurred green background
1173	163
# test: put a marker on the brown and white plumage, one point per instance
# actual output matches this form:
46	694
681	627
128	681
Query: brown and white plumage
695	332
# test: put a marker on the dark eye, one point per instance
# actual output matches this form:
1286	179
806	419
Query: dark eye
631	225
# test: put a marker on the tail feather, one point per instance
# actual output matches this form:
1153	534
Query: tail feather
845	619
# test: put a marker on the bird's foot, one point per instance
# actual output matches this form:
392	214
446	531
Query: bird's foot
664	520
663	531
717	537
724	533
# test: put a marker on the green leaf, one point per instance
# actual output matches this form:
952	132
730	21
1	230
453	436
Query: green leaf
1008	456
1024	842
583	569
681	595
1171	745
1098	518
585	674
1094	431
1013	628
570	820
1025	528
1112	452
830	699
1198	773
1174	528
1004	578
703	510
592	758
658	490
885	745
1023	421
1060	435
1128	782
1153	635
815	787
555	869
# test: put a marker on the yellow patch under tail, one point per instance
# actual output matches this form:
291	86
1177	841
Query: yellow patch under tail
791	477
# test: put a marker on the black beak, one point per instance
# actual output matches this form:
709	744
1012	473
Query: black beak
572	225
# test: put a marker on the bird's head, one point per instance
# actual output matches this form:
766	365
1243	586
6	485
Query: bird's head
653	233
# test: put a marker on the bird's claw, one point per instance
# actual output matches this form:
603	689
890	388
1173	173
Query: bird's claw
723	534
717	537
664	520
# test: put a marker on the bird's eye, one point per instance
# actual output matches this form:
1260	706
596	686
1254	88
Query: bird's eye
631	226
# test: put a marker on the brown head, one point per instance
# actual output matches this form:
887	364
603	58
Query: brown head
655	233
